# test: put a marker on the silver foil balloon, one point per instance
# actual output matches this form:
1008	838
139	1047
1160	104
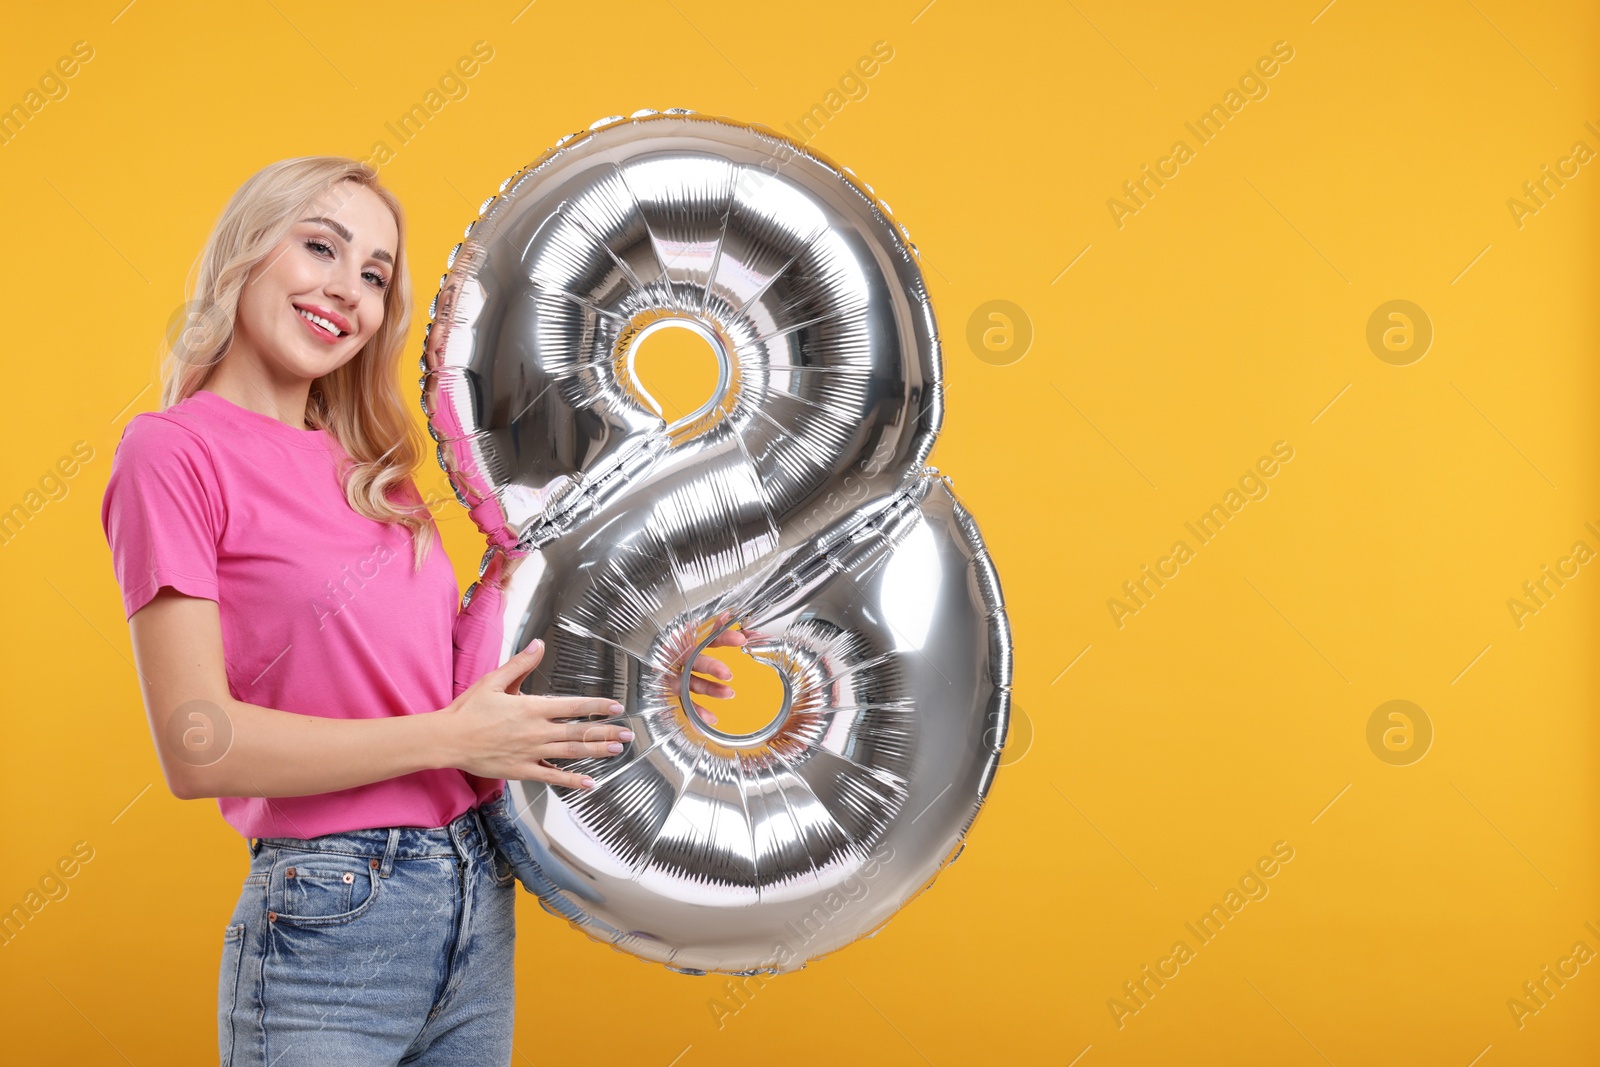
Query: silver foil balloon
795	502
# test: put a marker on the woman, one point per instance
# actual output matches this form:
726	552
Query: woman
294	621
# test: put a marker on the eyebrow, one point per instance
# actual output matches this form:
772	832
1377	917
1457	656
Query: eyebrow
343	231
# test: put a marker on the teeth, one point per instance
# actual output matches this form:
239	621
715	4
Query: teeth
320	321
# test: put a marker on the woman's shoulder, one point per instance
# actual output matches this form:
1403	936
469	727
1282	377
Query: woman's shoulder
178	435
162	476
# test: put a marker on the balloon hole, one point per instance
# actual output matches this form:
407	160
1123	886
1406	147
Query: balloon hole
679	368
760	702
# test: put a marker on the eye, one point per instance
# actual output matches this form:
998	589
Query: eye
322	248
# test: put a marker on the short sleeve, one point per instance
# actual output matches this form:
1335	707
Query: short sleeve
478	632
162	512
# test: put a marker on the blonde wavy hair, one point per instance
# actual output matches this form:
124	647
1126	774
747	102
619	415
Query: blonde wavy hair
360	403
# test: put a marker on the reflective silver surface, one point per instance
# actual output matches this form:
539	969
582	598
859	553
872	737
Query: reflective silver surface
796	503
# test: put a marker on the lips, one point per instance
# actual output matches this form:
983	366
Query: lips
325	325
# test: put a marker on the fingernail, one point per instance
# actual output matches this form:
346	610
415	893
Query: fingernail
614	747
617	709
626	735
730	693
588	783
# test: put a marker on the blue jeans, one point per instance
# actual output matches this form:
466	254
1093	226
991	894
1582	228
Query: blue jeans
387	946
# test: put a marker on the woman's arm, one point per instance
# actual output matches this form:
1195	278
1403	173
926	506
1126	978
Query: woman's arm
487	730
177	644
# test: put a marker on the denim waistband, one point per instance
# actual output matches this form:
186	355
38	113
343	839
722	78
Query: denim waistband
465	836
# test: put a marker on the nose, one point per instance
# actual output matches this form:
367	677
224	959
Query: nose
344	286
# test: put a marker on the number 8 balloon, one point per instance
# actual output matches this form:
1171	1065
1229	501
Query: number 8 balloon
794	503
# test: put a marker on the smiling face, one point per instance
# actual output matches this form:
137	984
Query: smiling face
318	296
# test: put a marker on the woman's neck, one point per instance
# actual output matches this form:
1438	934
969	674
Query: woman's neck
284	401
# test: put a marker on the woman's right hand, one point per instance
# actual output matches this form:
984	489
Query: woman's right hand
503	733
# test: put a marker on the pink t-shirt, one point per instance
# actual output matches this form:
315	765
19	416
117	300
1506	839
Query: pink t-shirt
322	612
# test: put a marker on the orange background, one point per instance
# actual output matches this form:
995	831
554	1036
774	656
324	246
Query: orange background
1154	762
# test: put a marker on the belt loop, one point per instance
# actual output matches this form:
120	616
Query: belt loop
461	830
255	846
389	852
483	830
